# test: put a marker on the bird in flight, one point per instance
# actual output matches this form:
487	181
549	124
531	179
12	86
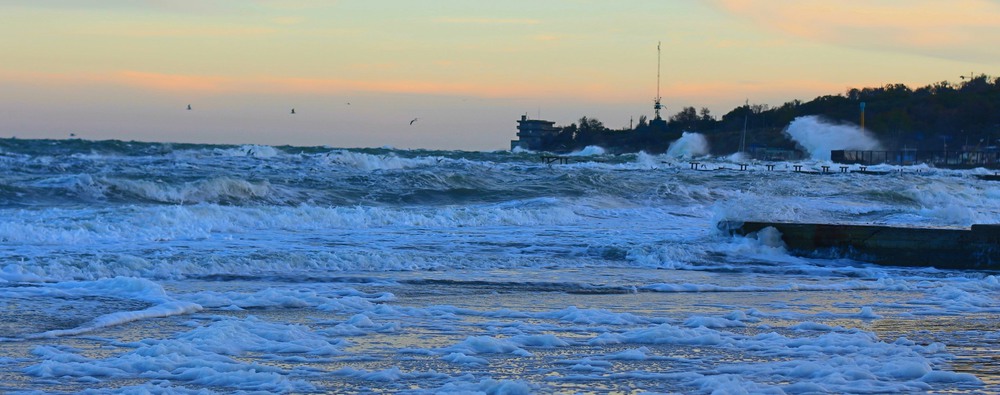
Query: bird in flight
414	120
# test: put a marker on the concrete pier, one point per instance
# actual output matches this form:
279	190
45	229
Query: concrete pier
975	248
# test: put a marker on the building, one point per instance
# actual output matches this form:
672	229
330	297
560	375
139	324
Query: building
534	134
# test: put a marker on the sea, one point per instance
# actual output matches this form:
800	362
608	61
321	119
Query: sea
169	268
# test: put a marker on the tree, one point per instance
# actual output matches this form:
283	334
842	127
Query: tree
591	125
685	119
643	122
918	118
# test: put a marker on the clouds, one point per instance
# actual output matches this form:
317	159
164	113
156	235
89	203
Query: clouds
958	29
265	85
194	7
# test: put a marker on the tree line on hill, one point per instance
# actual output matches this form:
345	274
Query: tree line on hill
944	115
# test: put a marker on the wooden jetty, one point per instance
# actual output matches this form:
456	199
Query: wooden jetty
977	247
555	159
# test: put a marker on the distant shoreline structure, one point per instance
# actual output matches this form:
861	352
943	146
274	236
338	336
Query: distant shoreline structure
960	120
542	135
652	136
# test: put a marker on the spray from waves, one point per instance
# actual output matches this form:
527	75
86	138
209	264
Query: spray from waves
689	145
818	137
738	157
590	150
647	161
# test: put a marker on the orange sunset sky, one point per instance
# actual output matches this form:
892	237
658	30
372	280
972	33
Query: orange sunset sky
357	72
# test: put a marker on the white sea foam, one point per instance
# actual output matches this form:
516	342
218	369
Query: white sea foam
605	274
206	356
359	325
251	150
212	353
486	345
118	318
369	162
121	288
865	368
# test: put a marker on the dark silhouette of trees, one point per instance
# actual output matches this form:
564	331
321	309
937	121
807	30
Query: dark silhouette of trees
966	115
686	119
643	122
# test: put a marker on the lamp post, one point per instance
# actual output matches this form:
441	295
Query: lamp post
862	115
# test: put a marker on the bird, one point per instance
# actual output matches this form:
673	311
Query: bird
414	120
293	111
189	106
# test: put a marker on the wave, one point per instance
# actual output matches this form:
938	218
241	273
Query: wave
160	223
112	301
324	177
86	188
819	137
690	145
370	162
590	150
222	190
70	147
251	150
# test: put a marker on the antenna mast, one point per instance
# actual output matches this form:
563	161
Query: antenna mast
656	102
746	116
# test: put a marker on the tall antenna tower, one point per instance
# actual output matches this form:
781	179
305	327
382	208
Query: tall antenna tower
656	102
746	117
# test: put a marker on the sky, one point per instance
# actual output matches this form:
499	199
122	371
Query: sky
357	72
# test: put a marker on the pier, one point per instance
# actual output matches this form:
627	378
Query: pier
977	247
989	159
555	159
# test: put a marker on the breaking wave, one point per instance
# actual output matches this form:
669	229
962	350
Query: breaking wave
818	137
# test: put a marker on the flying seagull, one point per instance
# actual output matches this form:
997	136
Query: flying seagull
414	120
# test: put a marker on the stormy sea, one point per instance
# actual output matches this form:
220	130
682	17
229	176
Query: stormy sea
156	268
